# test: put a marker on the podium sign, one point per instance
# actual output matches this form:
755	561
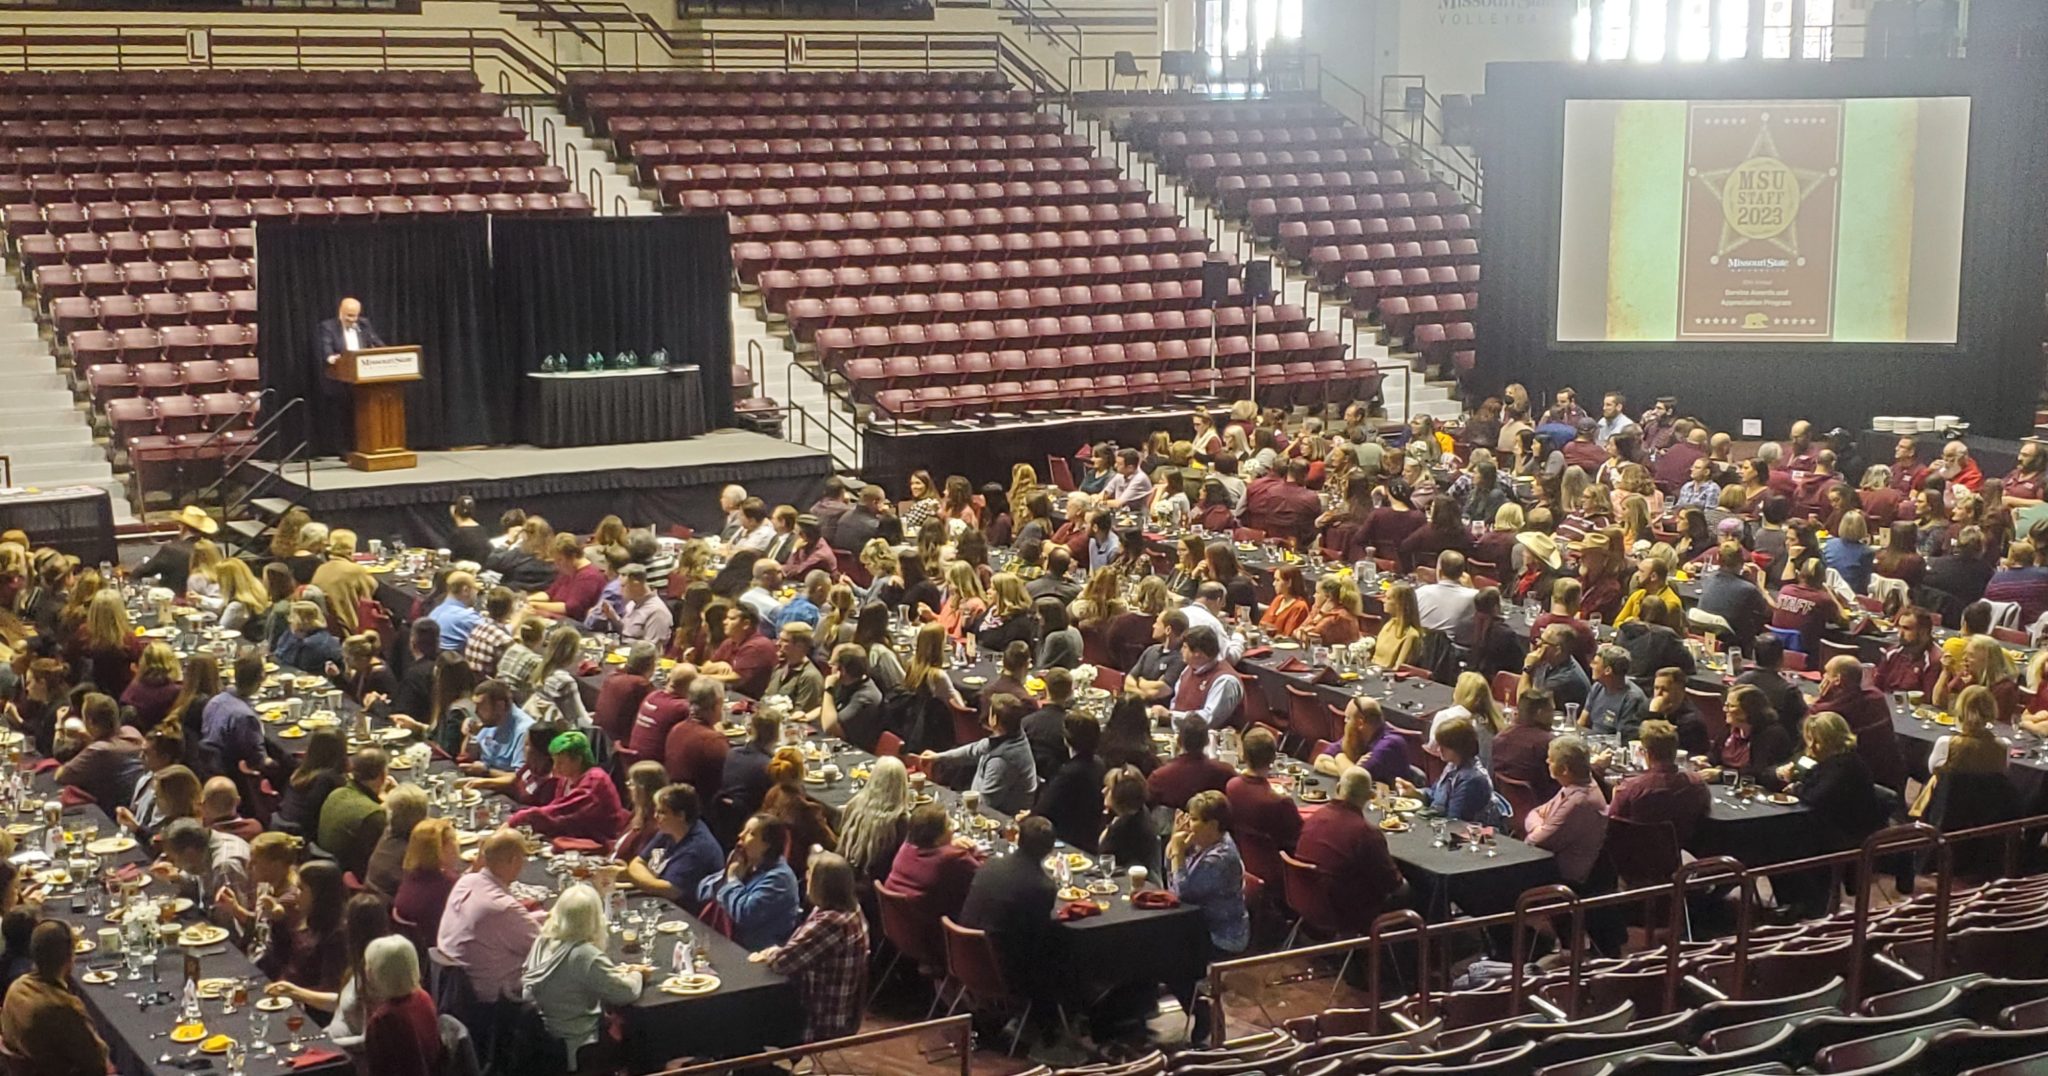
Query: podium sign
379	375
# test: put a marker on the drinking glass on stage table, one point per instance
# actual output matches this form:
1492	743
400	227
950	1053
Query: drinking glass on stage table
259	1033
293	1023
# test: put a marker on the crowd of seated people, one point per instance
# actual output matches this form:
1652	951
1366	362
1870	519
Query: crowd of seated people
1589	521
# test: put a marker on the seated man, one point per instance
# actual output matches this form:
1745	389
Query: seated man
1662	792
934	865
1177	780
198	861
1349	850
43	1022
745	660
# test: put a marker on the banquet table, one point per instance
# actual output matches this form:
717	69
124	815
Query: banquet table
78	520
1124	944
753	1008
134	1024
614	407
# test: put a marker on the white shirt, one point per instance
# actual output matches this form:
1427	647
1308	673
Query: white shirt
1447	607
1199	616
351	339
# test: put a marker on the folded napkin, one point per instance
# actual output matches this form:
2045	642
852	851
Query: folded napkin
739	706
128	872
530	905
316	1056
1076	909
1154	899
587	668
1810	674
1258	651
1291	665
576	844
1327	675
72	797
46	765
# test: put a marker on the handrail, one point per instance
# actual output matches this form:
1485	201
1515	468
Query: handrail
1422	114
1709	870
619	205
248	404
1534	901
1895	840
1466	173
1034	21
959	1029
1885	843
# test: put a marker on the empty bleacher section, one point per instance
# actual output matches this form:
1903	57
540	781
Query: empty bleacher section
130	201
945	247
1337	204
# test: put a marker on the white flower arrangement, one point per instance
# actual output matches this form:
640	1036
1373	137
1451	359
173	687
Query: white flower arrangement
1083	677
778	706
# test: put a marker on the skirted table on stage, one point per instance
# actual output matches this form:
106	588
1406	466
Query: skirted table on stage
613	407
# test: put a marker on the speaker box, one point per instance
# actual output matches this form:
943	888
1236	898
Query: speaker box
1215	281
1258	278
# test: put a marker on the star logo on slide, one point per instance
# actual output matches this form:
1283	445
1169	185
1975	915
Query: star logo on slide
1761	196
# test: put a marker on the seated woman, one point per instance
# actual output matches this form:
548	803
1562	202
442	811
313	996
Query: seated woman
1334	620
570	979
403	1034
1463	791
1394	646
1204	870
307	946
273	862
307	645
1983	664
321	770
1289	607
1756	743
1130	838
586	803
433	861
643	782
811	824
683	852
828	950
757	891
365	919
1972	750
365	679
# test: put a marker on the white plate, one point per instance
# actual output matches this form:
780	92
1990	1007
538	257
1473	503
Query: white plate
111	846
690	985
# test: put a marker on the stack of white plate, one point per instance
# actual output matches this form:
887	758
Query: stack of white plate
1884	423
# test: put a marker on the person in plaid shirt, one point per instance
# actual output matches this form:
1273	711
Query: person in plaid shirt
828	954
487	642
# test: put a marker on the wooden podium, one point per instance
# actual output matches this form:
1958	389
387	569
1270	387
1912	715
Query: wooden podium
379	375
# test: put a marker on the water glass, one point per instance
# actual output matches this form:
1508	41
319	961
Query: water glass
259	1033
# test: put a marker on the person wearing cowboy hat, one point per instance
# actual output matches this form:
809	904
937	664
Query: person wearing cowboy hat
171	564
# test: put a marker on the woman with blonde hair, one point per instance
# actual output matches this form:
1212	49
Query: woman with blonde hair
1471	699
242	598
555	684
1207	442
1635	522
1008	615
1983	664
308	646
202	584
1289	607
1101	598
155	687
926	676
879	558
835	623
1023	483
284	538
365	679
872	824
1634	478
963	601
107	646
273	862
570	978
1400	631
1334	620
310	553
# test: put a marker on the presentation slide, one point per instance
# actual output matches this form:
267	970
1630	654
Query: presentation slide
1835	221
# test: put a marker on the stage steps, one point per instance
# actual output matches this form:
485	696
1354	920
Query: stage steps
782	376
1407	389
45	433
591	167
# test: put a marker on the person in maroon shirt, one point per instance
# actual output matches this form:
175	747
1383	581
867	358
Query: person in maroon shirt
1907	470
1869	715
1177	780
1349	850
586	803
1914	664
744	661
695	752
1900	558
1564	609
660	711
578	583
1882	501
1662	792
1800	451
1284	507
2024	486
1391	521
620	695
1806	606
932	865
1263	821
1674	467
1522	750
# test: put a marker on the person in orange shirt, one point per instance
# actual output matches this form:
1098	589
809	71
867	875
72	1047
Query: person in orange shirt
1289	607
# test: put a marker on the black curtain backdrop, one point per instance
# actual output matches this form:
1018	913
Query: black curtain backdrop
1992	376
613	284
420	282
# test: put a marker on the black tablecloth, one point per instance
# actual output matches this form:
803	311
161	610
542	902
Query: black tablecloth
76	519
620	407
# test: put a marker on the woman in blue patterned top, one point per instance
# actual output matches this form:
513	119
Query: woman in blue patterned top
1205	871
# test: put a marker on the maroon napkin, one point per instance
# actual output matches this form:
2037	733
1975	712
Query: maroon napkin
587	668
1291	665
72	797
1076	909
1810	674
1327	675
1258	651
739	706
315	1056
46	765
128	872
1152	899
576	844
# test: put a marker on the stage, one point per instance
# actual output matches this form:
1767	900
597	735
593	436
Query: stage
657	482
984	452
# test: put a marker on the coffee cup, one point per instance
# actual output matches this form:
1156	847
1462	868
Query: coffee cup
110	939
1138	874
917	781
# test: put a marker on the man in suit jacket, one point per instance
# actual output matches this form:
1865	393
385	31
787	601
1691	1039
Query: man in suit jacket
347	330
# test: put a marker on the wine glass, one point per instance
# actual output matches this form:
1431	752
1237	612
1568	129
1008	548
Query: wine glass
292	1024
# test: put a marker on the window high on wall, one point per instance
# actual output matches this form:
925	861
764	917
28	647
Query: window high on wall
1648	31
1236	34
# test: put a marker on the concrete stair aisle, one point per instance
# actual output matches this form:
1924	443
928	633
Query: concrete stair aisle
815	420
1405	388
590	164
45	432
